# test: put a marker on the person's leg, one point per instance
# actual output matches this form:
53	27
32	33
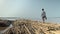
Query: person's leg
43	20
45	17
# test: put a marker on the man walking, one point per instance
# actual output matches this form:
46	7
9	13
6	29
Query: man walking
43	15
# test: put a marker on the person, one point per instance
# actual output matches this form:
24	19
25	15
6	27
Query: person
43	15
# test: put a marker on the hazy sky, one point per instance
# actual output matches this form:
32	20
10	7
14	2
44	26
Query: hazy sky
29	8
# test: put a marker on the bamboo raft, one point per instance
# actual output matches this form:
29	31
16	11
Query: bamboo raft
31	27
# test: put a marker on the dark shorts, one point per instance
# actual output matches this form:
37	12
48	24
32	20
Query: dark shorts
44	17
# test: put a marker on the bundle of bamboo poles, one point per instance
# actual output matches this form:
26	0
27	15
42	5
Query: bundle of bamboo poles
30	27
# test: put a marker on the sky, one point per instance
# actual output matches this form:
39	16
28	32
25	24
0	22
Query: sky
29	8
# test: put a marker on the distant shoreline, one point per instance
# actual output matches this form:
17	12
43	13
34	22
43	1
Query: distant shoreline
49	19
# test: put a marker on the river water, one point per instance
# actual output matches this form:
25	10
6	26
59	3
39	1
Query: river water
49	19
